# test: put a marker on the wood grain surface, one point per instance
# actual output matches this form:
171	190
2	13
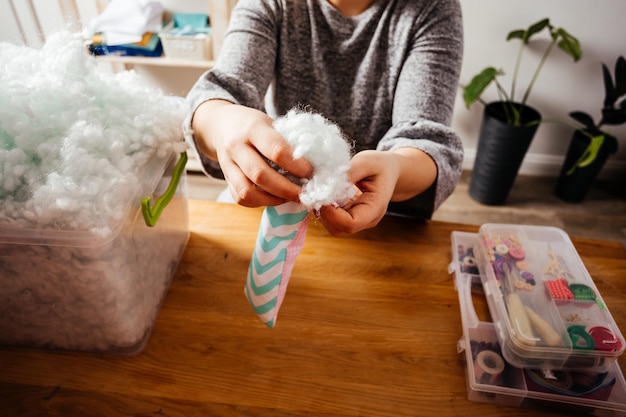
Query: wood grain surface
369	327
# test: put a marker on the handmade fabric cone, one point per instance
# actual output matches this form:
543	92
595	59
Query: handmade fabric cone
283	228
280	239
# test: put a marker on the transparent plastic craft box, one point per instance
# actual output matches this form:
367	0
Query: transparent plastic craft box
546	309
490	378
72	290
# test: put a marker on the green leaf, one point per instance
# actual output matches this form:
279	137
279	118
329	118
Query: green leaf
478	84
516	34
609	90
536	28
584	119
592	151
589	155
525	35
515	118
569	44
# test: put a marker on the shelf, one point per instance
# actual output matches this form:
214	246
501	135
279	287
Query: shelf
154	61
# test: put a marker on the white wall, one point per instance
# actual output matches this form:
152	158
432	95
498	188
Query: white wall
562	86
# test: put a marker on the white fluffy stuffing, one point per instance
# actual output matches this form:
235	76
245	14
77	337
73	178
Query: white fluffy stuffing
321	143
75	137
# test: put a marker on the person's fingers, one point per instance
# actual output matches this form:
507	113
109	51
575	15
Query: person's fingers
262	175
252	178
253	196
276	148
341	222
244	191
336	220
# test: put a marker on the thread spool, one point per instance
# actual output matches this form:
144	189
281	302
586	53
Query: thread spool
488	367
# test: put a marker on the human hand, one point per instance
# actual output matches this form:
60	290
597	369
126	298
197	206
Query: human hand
242	139
375	173
382	176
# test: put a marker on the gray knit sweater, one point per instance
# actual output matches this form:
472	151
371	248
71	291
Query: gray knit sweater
387	77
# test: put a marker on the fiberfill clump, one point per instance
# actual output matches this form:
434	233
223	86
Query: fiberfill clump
75	137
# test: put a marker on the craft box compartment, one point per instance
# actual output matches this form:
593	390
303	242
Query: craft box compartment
464	258
73	290
491	379
194	47
546	309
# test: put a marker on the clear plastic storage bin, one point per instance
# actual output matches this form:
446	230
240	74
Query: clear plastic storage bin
492	379
547	311
65	289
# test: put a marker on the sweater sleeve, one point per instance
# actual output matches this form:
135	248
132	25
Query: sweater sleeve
244	67
424	102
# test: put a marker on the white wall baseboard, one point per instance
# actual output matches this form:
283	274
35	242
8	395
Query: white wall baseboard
542	165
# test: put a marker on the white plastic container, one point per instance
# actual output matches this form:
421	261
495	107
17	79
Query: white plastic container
492	379
545	306
186	47
66	289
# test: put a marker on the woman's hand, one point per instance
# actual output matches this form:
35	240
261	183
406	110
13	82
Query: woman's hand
375	175
242	139
382	177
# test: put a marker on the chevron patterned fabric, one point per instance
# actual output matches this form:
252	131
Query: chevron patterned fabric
280	239
283	228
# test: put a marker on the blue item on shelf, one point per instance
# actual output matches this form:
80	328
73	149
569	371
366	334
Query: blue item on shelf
150	46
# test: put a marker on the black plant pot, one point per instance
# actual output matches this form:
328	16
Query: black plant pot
501	150
574	187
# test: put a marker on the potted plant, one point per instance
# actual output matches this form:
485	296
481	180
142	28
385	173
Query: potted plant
590	146
508	125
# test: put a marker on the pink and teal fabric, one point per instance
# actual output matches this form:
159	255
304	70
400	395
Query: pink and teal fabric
279	241
283	228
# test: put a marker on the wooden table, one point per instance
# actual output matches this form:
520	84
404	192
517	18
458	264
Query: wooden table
369	327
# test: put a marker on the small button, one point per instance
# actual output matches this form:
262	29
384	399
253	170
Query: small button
517	253
529	277
502	249
521	265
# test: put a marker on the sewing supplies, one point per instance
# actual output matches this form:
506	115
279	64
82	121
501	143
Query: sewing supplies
593	385
559	289
544	300
580	338
522	329
467	259
561	365
605	339
488	367
543	328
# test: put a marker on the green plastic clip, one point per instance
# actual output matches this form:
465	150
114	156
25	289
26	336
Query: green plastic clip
151	215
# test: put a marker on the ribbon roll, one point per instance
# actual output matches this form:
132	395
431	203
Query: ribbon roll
488	367
555	381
